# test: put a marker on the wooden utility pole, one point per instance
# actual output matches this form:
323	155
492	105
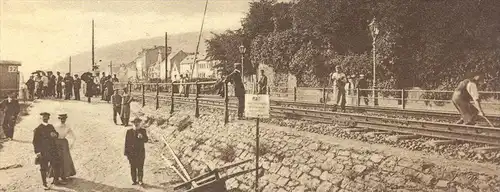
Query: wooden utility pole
93	62
110	67
166	57
70	65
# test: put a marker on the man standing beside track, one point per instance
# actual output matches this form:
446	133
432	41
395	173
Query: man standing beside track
239	88
466	92
339	80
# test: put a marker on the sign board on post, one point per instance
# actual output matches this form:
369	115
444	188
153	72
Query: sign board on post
257	106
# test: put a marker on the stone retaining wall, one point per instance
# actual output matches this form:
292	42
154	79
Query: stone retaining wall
294	162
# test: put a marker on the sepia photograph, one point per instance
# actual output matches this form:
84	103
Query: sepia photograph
250	95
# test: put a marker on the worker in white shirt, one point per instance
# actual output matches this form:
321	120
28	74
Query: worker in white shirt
339	80
349	87
466	92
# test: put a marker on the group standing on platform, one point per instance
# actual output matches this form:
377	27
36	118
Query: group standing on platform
56	86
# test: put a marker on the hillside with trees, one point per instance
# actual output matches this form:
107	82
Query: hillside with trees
427	44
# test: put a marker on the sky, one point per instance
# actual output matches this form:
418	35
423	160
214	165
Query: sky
39	33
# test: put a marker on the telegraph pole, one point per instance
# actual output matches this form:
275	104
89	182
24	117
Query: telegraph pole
110	67
166	57
70	65
93	62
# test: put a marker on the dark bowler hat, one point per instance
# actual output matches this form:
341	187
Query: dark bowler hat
45	114
63	116
136	119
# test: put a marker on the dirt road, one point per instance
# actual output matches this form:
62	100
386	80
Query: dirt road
97	153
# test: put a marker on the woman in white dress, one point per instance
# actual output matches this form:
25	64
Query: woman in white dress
67	166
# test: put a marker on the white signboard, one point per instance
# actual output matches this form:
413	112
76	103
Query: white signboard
257	106
12	69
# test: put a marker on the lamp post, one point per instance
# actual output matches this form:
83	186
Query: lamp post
374	32
242	52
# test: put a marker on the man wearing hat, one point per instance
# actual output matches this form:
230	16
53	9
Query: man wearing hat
466	92
239	88
134	150
11	109
77	85
363	84
44	142
116	100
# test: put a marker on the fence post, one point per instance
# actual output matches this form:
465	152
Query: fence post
226	102
143	95
375	97
157	96
294	94
129	86
357	97
172	98
269	91
403	100
324	97
197	107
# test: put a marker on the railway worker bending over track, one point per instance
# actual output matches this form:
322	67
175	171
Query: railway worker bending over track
466	92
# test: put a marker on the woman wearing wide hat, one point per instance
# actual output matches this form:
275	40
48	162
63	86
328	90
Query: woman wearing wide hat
67	168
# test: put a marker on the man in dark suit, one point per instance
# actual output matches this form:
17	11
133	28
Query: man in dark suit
11	110
46	150
239	88
262	83
68	86
116	100
77	85
134	150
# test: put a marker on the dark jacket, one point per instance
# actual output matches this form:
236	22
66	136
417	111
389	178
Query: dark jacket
133	145
77	83
116	100
30	84
43	142
235	78
263	85
10	108
60	79
68	82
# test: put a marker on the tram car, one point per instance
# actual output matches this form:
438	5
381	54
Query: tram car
9	77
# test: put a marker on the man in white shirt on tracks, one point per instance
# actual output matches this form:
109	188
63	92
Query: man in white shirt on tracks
339	80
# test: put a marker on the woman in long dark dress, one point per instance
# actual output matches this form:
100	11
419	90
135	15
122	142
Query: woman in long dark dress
67	166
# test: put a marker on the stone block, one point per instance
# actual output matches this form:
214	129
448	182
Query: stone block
282	181
325	186
376	158
300	188
426	179
315	172
296	174
284	171
305	168
344	153
359	168
442	184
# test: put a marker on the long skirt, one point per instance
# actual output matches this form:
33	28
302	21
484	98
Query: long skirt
67	167
467	111
125	111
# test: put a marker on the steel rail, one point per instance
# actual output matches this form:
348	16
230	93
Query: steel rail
392	111
475	134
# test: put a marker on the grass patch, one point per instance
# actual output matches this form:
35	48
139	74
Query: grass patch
227	153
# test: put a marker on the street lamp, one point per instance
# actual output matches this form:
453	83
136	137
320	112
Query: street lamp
242	52
374	32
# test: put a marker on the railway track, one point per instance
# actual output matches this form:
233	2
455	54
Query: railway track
393	112
448	133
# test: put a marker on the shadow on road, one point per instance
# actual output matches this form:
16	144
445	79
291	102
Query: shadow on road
79	184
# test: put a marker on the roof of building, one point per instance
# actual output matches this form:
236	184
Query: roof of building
9	62
190	58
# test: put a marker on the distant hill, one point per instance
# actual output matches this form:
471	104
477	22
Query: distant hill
125	52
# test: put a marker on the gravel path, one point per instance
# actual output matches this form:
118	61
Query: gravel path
97	154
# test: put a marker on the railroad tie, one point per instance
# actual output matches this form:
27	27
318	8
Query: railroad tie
396	138
437	143
483	150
